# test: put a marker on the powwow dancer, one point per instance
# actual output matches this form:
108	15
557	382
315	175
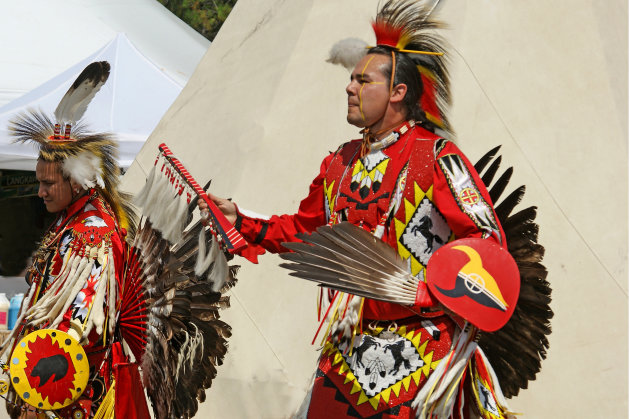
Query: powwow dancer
110	298
393	217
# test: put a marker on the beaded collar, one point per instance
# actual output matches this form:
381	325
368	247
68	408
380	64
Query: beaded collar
392	137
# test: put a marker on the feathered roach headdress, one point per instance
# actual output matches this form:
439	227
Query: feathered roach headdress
87	158
406	26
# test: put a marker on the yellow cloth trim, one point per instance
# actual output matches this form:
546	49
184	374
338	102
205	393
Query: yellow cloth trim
106	409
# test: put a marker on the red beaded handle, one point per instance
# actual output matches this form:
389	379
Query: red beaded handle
228	234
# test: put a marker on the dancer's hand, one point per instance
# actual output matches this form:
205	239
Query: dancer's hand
226	206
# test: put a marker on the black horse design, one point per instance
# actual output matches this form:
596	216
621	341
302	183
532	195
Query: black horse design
424	228
396	350
368	342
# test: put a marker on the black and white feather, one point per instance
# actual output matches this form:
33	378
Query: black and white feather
76	100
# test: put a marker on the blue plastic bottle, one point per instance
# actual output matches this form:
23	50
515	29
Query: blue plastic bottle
14	308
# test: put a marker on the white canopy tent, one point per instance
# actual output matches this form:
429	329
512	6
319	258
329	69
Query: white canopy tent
42	38
46	43
130	104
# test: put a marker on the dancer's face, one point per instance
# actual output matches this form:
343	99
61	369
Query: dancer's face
368	91
54	189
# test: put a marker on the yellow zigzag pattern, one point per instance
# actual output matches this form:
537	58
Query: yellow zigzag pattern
410	209
359	167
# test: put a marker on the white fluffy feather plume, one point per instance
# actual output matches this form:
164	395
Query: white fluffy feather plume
85	169
347	52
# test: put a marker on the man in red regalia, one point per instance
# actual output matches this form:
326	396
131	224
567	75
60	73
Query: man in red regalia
405	183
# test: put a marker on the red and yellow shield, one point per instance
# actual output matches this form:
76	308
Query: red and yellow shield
49	369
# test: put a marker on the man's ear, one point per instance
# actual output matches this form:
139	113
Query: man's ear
76	186
398	93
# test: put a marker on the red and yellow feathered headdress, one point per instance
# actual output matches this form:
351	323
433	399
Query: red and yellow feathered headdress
407	26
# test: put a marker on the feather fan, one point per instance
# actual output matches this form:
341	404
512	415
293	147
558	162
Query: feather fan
169	316
350	259
170	319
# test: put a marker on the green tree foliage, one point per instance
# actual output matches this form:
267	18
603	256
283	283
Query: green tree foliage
205	16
